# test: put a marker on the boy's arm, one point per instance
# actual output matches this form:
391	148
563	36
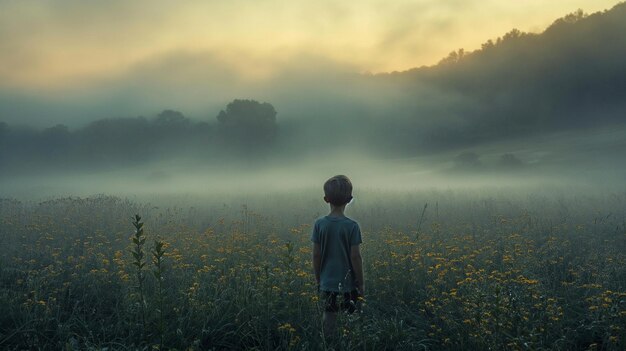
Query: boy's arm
317	261
357	265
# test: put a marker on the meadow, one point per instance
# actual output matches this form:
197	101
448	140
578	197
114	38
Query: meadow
498	269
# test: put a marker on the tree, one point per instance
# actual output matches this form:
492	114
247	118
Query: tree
171	118
115	141
59	132
453	57
488	45
171	127
248	123
571	18
513	34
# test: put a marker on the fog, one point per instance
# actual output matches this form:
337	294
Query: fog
529	110
565	163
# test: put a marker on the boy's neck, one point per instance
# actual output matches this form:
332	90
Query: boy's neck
337	211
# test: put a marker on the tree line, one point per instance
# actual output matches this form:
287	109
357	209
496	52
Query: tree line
243	128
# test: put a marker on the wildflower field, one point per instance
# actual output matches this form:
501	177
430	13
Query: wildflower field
458	270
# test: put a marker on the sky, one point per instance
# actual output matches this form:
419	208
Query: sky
60	45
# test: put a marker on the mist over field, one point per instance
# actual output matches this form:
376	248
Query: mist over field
525	108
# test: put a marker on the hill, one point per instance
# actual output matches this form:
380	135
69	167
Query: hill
571	76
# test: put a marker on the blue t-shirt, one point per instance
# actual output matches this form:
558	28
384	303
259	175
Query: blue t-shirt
336	236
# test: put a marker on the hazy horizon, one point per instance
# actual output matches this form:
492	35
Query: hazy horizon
539	105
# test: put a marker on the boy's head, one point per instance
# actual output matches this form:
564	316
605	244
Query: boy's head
338	190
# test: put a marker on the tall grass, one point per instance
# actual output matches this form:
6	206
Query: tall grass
487	271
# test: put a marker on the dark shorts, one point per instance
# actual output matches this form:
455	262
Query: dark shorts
348	301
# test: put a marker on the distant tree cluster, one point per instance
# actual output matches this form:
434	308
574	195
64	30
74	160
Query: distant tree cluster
245	125
248	123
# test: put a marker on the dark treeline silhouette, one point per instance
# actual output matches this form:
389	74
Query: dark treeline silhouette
245	128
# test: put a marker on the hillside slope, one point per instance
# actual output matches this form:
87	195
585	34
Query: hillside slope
571	76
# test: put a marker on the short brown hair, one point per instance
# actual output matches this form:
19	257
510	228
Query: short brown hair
338	190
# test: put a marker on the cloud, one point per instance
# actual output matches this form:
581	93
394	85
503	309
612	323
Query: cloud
199	83
61	43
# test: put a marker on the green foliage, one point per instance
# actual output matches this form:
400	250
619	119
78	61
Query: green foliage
157	257
139	262
157	261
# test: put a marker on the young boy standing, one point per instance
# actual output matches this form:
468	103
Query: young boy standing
336	256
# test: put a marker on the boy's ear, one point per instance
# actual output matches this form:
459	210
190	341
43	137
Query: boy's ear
326	199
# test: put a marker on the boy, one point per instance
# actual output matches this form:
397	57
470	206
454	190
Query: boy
337	259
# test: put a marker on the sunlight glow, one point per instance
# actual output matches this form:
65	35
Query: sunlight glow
60	43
